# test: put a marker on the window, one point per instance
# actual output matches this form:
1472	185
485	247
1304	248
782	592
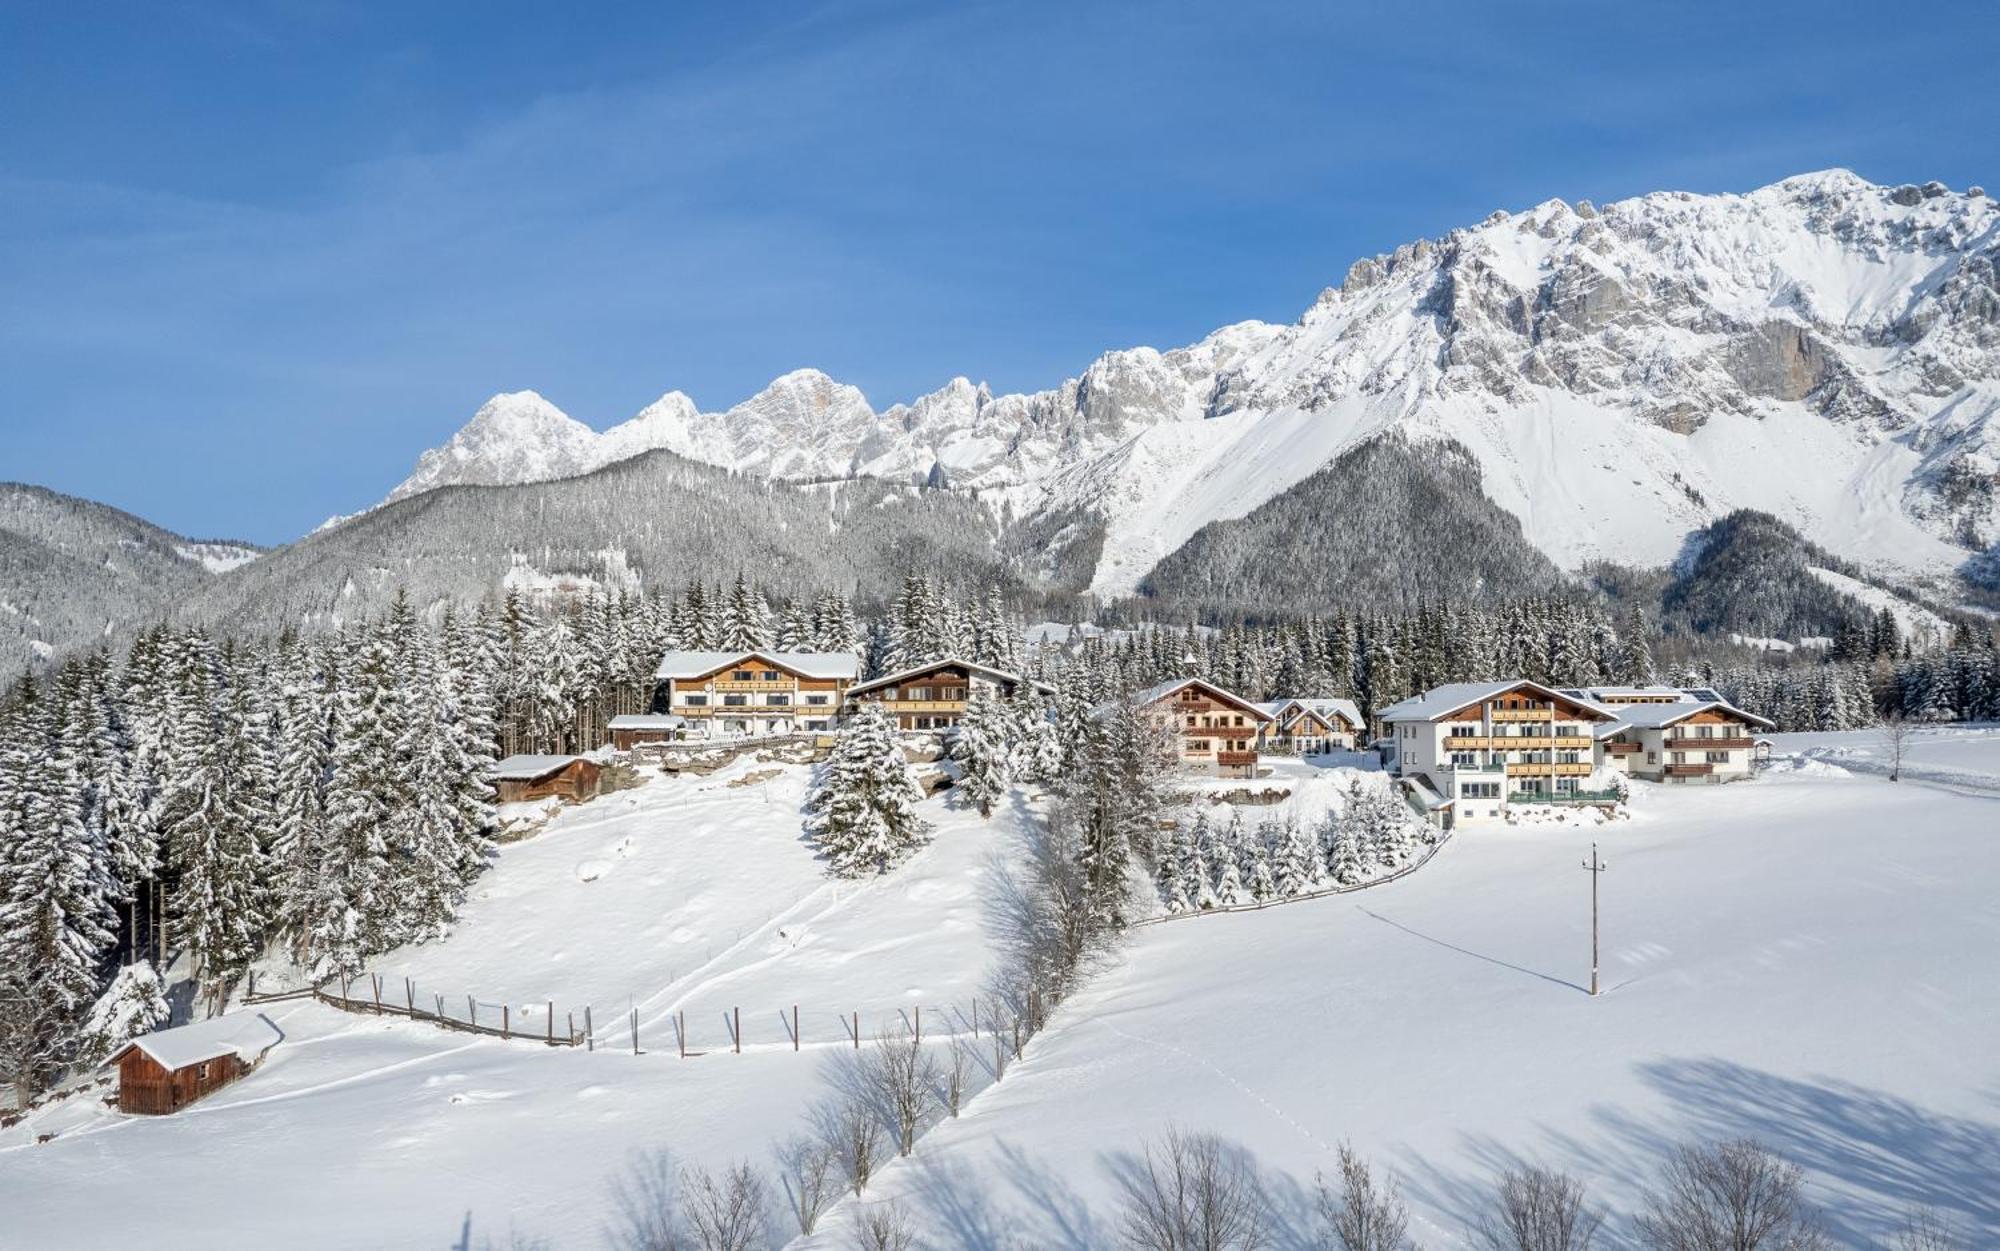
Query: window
1704	731
1239	719
696	701
917	692
1464	731
769	675
1463	760
1652	757
1191	721
1679	757
778	700
1197	744
735	701
815	699
742	675
1718	757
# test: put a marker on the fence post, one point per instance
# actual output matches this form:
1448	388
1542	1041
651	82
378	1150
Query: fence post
410	994
440	1006
736	1028
681	1032
252	992
635	1031
857	1031
472	1011
552	1020
589	1034
506	1009
572	1027
920	1023
376	978
795	1027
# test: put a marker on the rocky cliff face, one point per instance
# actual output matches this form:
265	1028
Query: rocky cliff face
1823	349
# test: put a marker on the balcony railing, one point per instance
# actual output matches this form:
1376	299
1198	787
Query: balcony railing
1234	759
1515	742
1569	797
1692	742
1621	749
1689	770
1547	768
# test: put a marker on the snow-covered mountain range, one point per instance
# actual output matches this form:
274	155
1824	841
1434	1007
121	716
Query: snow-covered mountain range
1823	349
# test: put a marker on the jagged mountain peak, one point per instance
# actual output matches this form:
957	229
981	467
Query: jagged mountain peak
1624	373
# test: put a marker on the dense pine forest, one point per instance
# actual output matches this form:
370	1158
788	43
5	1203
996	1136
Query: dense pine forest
322	798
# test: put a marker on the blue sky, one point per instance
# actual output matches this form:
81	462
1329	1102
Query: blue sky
253	259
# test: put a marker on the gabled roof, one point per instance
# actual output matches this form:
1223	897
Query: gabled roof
529	768
646	721
246	1035
1660	716
1284	710
1154	694
1442	701
684	665
949	662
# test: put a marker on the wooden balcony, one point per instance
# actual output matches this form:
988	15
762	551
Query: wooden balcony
1547	768
1622	749
919	705
1513	742
1523	714
1689	770
735	686
1236	759
1688	742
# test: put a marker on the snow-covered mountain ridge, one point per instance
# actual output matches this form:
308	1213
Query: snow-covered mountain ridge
1823	349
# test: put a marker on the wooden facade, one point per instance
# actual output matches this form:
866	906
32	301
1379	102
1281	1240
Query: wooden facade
1214	730
935	696
149	1088
734	695
578	779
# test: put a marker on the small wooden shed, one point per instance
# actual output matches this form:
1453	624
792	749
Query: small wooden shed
522	779
168	1069
638	729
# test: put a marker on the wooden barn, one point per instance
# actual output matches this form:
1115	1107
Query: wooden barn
524	779
168	1069
641	729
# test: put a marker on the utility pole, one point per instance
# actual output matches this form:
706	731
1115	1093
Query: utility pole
1596	868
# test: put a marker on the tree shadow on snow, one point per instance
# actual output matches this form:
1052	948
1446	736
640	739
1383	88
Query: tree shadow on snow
1871	1158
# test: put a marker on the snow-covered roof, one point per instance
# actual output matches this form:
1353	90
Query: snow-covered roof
1620	694
1324	709
646	721
528	768
1660	716
1153	694
1427	795
247	1035
1442	701
805	664
949	662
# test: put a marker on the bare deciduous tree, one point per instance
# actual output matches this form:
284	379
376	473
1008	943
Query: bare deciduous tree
1193	1193
728	1213
856	1139
902	1073
1928	1229
1538	1209
955	1077
1896	729
809	1180
1360	1216
1733	1196
884	1227
643	1202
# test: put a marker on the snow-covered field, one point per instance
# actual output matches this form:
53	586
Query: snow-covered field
1805	958
1966	756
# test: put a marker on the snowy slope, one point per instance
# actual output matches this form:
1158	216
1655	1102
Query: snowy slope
1624	374
1774	966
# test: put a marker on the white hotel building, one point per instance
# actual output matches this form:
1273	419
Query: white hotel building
1468	749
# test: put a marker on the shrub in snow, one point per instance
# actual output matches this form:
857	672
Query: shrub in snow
1193	1191
1733	1196
1538	1209
1357	1215
862	808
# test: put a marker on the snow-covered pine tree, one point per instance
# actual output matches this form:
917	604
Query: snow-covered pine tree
1228	860
1170	873
1038	753
351	914
1260	878
746	623
1294	865
983	746
1339	834
861	810
1197	874
220	896
301	844
133	1005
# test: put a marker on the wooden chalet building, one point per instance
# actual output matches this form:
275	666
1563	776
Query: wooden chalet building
1214	730
524	779
1693	740
1467	750
934	696
633	730
1311	727
752	694
168	1069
